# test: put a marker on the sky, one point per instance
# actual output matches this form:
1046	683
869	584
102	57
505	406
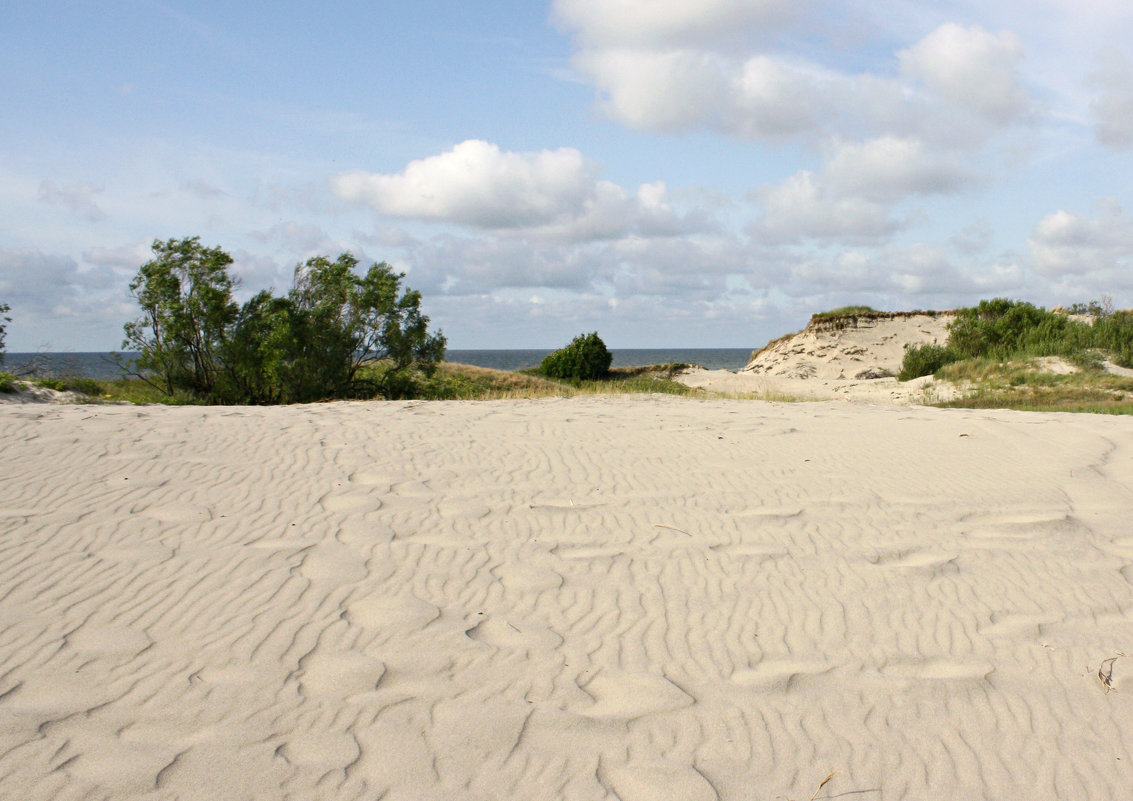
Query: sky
668	173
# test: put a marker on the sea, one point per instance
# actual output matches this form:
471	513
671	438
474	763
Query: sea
107	365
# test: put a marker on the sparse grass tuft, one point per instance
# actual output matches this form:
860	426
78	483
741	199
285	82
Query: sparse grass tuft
1025	386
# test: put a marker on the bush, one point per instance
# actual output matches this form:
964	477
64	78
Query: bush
48	382
8	383
925	360
305	346
584	359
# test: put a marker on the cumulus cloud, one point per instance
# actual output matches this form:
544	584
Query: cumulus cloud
852	196
1112	107
555	194
891	168
1067	243
971	68
802	208
76	198
715	66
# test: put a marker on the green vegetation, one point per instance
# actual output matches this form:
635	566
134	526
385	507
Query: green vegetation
586	358
308	345
1026	385
8	383
845	311
1012	331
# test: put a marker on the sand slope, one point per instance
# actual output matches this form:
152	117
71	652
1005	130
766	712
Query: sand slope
600	598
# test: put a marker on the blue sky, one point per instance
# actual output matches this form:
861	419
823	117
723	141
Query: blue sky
671	174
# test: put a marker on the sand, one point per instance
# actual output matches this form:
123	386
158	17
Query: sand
636	598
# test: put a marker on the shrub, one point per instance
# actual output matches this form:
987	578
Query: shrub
584	359
56	384
306	346
8	383
924	360
83	386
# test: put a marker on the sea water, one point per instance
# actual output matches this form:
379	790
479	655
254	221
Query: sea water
110	365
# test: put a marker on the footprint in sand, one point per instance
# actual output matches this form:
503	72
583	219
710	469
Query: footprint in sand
350	502
632	695
653	780
504	634
780	674
331	562
339	675
405	612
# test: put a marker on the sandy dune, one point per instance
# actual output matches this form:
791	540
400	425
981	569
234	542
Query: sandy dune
635	598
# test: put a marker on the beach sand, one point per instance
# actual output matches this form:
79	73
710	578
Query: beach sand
640	598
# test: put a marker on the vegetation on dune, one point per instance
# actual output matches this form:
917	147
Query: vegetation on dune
310	344
586	358
1009	331
845	311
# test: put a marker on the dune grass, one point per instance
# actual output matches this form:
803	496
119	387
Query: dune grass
1025	385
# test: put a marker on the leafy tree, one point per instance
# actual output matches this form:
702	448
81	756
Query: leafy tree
185	294
305	346
586	358
4	320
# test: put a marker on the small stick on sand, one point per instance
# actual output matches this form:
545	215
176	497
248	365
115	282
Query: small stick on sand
824	781
671	528
1105	672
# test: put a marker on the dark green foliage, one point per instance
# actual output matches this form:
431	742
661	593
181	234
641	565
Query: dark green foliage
4	320
306	346
186	297
49	382
8	383
584	359
998	327
924	360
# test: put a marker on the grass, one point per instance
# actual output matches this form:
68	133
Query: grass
1025	386
845	311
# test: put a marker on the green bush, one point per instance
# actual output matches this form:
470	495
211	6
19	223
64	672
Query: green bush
586	358
308	345
8	383
925	360
48	382
83	386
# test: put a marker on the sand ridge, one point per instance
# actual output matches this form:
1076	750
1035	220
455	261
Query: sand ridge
629	598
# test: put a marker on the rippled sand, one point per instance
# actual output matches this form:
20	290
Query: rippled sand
630	598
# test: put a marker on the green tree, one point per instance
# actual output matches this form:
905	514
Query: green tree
307	345
185	294
586	358
4	320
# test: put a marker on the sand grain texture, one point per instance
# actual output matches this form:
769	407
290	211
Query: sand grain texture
637	598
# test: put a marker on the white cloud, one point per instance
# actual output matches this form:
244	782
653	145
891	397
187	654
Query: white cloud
803	208
891	168
551	194
477	184
1112	107
851	198
662	22
971	68
77	198
1066	243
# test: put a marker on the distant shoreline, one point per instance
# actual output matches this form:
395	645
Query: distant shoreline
98	364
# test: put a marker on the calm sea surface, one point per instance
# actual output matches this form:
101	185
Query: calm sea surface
103	365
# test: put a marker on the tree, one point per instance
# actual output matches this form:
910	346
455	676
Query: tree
308	345
186	297
586	358
4	320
